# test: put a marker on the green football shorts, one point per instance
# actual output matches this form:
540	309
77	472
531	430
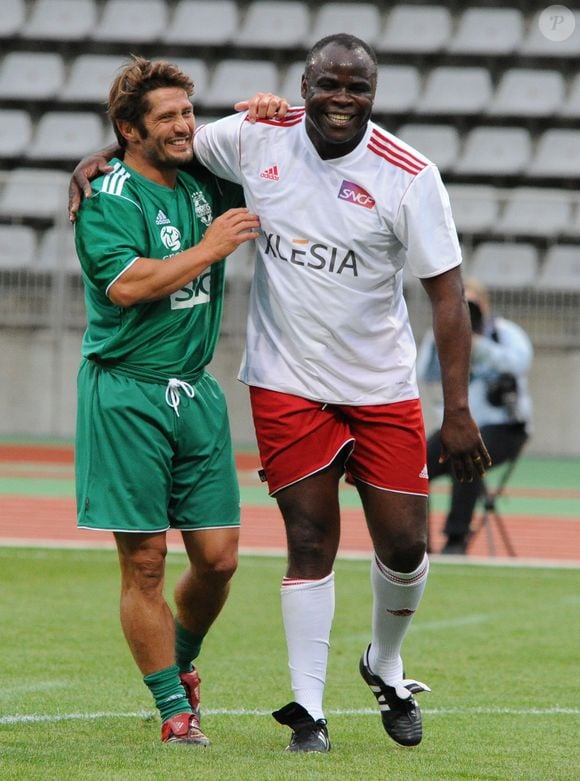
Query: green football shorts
141	467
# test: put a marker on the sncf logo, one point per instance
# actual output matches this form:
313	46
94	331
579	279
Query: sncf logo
349	191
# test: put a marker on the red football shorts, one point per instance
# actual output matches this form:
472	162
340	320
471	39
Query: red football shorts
298	437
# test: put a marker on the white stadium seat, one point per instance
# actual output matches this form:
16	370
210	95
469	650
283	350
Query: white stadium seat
66	135
560	269
91	76
134	21
31	75
500	264
490	151
15	132
416	29
278	24
475	207
538	44
12	17
557	154
290	83
440	143
198	71
488	31
525	92
571	104
203	22
57	250
456	90
34	193
235	80
61	20
535	211
18	246
360	19
398	88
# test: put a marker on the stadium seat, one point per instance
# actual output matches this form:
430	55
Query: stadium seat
535	211
197	70
15	132
475	207
60	20
557	154
278	24
32	193
488	31
235	80
560	269
360	19
440	143
537	44
455	90
12	17
57	250
495	151
290	83
525	92
415	29
132	21
203	22
398	88
571	104
18	247
499	264
31	75
66	135
90	77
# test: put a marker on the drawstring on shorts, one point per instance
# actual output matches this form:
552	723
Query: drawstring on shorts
172	397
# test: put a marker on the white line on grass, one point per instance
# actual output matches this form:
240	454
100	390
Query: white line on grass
34	718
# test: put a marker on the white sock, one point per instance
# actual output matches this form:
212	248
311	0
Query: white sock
307	611
396	596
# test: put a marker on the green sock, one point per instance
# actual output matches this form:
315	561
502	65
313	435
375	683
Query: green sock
167	692
187	647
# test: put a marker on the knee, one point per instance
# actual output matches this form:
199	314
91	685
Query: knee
144	569
406	551
219	567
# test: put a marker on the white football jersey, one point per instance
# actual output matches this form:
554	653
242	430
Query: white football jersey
327	317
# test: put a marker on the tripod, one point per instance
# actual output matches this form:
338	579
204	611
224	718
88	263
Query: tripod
490	513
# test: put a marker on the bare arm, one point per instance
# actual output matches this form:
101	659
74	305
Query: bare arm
460	438
149	279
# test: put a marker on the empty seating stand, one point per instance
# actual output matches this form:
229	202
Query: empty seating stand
274	24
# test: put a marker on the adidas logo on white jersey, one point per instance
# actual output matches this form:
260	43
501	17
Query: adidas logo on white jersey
271	173
162	218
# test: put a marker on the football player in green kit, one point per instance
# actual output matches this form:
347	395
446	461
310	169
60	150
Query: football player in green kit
153	447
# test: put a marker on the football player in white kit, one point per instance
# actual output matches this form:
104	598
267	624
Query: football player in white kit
330	360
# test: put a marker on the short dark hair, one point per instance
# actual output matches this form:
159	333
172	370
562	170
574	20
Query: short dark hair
349	42
128	93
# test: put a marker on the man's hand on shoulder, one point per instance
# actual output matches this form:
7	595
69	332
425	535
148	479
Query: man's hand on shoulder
89	168
263	105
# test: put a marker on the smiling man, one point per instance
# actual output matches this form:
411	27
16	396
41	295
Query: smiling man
330	360
153	448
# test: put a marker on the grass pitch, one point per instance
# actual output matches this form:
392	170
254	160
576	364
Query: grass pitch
498	646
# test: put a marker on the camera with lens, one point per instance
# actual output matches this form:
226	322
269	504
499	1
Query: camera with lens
503	391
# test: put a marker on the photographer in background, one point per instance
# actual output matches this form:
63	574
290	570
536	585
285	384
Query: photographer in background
501	356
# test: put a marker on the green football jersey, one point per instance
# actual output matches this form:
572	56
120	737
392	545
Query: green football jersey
129	216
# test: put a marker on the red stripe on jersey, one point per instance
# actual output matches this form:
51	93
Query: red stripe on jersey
380	137
394	154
